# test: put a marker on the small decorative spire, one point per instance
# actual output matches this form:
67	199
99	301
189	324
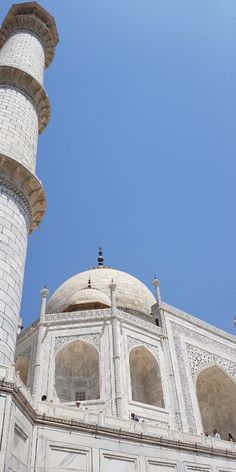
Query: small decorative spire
112	285
100	257
89	283
44	292
156	282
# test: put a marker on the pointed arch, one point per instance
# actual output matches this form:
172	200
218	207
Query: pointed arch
216	393
22	366
77	372
145	377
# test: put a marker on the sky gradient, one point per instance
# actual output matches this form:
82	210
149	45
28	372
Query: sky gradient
139	155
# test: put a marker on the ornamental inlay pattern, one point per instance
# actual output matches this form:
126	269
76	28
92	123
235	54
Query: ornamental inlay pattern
92	338
196	321
134	342
142	316
139	322
212	345
199	358
77	315
26	353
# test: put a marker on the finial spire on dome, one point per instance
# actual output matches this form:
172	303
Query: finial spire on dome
100	257
89	283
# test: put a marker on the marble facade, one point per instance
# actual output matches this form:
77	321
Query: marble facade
102	338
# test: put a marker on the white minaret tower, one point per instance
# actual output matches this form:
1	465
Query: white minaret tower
27	42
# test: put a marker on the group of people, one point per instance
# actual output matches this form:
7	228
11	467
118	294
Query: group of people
134	417
216	435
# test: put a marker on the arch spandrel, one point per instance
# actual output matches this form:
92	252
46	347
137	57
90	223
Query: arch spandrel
212	364
200	359
63	341
135	342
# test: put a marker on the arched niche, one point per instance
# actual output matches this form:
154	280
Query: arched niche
22	366
216	394
77	372
145	377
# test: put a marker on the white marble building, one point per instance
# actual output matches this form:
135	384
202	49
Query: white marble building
102	338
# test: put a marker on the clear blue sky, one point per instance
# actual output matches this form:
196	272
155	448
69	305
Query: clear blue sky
139	155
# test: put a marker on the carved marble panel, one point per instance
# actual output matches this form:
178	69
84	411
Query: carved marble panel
199	358
180	331
134	342
92	338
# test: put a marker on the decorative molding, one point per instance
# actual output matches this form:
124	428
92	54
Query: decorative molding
179	441
77	315
27	84
139	314
197	322
105	313
199	358
37	22
23	183
142	322
93	338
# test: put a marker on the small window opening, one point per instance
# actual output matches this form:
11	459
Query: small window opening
79	396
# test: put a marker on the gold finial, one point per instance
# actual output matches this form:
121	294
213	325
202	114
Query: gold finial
100	257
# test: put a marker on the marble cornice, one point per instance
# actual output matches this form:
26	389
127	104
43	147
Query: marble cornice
32	17
26	185
108	431
12	76
90	316
55	319
197	322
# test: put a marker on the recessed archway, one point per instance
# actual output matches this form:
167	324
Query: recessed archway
77	372
145	377
216	394
22	366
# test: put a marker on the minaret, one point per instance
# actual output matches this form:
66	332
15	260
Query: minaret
27	42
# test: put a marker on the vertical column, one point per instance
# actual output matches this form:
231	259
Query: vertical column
27	42
37	370
116	352
156	284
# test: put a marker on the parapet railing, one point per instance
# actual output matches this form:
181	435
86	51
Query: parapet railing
9	379
143	428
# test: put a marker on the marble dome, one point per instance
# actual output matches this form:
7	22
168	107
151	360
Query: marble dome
131	293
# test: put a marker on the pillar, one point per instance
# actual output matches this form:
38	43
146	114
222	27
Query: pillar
116	352
27	42
41	330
